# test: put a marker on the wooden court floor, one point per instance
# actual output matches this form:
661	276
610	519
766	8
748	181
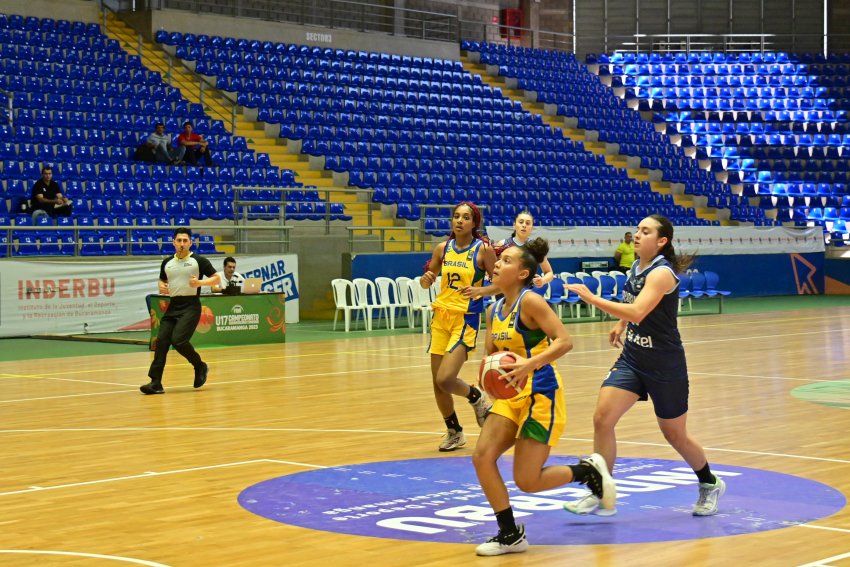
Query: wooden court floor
94	473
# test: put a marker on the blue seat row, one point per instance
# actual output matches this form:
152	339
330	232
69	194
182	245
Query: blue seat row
32	24
257	46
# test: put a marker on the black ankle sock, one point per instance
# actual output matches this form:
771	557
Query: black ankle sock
474	394
704	475
580	472
452	422
506	522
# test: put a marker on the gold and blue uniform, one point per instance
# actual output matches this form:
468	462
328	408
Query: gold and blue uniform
539	411
456	318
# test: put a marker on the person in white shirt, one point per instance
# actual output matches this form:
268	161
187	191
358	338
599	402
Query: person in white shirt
160	143
229	276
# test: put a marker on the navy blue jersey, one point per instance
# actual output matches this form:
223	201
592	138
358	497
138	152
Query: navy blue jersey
655	342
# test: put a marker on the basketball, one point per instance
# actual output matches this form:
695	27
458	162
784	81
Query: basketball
490	376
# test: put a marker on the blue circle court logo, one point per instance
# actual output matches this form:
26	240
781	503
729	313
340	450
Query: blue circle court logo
440	500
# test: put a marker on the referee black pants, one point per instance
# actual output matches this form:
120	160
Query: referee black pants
176	329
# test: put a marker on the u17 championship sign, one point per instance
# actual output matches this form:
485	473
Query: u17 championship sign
71	297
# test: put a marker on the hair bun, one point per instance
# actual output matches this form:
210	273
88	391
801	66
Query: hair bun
538	247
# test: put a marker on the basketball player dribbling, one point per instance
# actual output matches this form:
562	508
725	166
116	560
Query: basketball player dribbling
522	322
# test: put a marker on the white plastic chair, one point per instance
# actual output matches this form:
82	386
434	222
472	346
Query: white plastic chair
344	301
366	296
405	301
388	297
421	302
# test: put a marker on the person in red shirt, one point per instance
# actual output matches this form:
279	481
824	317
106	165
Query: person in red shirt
197	148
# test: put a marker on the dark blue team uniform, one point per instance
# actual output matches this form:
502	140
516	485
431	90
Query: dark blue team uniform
653	360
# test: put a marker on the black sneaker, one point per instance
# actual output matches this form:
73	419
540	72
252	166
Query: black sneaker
510	542
152	388
201	375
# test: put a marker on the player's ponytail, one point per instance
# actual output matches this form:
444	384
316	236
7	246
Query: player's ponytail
680	263
533	253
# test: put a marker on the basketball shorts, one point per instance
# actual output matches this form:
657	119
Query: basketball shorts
668	388
451	329
541	416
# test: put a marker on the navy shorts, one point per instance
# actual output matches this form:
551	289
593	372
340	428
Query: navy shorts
668	389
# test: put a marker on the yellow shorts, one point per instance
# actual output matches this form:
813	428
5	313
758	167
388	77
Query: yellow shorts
541	417
450	329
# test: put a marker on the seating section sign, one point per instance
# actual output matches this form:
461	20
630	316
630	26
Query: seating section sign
78	297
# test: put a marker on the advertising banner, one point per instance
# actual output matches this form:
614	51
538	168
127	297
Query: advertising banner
104	296
601	241
230	319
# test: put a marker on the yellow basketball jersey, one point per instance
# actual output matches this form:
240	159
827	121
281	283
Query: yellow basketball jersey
460	269
508	333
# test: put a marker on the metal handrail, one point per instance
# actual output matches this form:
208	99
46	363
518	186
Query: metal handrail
527	37
241	213
724	42
415	241
128	241
346	14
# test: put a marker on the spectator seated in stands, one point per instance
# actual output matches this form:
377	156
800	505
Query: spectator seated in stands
47	197
196	147
160	143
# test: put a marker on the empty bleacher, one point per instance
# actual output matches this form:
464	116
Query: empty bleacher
421	132
774	124
82	104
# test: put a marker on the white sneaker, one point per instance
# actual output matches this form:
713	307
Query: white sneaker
589	504
709	494
481	407
601	483
452	440
514	542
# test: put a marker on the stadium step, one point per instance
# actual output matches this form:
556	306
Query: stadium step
223	248
155	59
218	106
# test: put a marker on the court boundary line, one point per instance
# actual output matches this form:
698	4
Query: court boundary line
383	350
843	530
824	562
132	387
388	432
83	554
149	474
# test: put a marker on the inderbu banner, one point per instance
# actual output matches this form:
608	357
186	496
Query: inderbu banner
76	297
230	319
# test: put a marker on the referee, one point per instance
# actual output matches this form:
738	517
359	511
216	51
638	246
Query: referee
178	277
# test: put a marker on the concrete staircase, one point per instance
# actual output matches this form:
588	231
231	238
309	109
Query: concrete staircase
218	105
596	147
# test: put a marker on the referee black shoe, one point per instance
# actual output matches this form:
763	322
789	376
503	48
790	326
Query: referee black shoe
201	375
152	388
